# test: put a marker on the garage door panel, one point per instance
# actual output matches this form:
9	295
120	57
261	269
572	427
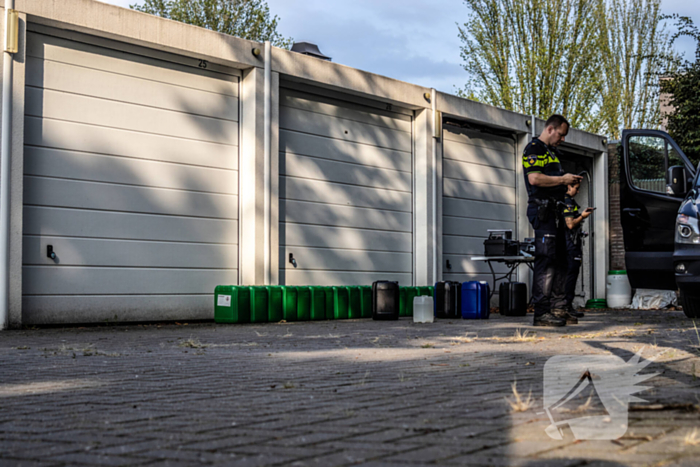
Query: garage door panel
353	174
298	101
131	175
59	280
315	259
328	278
479	155
454	207
99	112
478	138
100	58
71	309
343	216
472	227
109	141
90	195
478	191
346	238
334	193
97	168
342	129
478	173
124	253
39	220
78	80
462	264
343	151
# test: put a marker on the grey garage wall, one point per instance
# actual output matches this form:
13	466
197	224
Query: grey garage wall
478	194
131	174
345	191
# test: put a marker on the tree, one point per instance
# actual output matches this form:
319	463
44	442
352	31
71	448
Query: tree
597	62
247	19
683	86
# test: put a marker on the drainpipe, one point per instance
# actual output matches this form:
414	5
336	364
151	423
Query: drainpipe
436	136
11	20
267	122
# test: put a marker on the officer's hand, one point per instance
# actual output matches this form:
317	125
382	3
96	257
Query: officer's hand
587	212
570	179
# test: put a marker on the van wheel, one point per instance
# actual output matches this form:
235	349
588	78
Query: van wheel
691	305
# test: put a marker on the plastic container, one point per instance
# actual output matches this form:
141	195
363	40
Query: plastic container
385	300
318	303
231	304
475	296
289	303
618	290
597	303
366	300
423	309
447	300
258	304
340	302
275	304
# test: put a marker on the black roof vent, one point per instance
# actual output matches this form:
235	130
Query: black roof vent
307	48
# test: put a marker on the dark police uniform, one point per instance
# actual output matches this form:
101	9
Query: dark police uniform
550	232
573	249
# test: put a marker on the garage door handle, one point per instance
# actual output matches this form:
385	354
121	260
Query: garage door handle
50	253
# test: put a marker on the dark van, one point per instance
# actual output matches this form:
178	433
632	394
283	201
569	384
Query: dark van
659	192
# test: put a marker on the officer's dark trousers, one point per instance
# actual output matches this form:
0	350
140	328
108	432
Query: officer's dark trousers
573	265
549	278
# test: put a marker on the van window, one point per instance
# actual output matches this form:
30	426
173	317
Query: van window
647	163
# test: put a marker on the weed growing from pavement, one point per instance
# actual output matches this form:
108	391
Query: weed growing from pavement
427	346
691	439
518	404
288	385
192	343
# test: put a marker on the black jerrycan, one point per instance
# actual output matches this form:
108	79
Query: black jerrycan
385	300
448	303
512	298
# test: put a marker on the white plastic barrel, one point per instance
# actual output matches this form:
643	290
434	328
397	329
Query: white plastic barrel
619	292
423	309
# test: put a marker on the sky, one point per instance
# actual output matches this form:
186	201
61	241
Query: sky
410	40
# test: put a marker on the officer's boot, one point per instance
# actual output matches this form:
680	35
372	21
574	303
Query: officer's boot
548	319
574	313
561	313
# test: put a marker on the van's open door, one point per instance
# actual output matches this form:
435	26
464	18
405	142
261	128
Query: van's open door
649	202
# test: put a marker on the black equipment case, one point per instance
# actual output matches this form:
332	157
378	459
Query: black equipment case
448	300
512	298
500	243
385	300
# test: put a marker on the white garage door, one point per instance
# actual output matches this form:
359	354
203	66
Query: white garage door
131	175
345	192
479	171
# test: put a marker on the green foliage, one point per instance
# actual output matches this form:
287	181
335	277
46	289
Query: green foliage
595	61
247	19
683	85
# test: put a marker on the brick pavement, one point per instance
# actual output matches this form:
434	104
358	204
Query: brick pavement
332	393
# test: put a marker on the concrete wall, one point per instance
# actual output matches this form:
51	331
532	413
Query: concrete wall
163	36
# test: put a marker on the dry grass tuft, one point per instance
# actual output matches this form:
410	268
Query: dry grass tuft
518	404
192	343
427	346
288	385
691	439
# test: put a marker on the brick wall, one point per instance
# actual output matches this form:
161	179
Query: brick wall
615	240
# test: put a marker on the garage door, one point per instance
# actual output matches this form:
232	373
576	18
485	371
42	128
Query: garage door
345	192
478	195
131	176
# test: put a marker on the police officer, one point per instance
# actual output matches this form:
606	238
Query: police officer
546	185
573	217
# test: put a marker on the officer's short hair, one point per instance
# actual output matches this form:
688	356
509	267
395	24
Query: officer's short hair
556	121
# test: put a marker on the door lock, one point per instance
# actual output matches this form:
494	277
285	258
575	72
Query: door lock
50	253
292	260
449	266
